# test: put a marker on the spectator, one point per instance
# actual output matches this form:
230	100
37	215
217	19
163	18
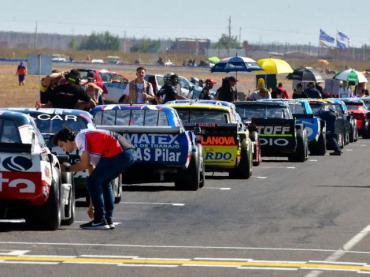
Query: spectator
66	96
227	92
311	91
365	93
344	90
298	92
21	73
206	94
168	90
93	90
280	92
139	91
319	88
261	92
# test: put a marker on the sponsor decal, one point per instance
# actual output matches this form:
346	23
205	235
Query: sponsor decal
15	185
274	130
274	141
66	117
220	155
153	140
17	163
210	140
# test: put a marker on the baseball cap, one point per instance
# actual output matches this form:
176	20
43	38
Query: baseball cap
90	75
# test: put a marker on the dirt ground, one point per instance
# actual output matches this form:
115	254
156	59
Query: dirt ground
12	95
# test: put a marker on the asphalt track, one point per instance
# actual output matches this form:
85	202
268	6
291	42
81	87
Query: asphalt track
289	219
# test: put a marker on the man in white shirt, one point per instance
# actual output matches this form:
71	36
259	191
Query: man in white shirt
139	91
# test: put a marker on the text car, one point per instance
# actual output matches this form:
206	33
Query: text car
165	151
279	133
50	121
226	143
31	183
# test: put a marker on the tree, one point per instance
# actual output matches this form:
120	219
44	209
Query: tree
226	42
103	41
146	46
73	44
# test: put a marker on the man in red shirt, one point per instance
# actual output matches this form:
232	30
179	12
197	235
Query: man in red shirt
280	92
106	155
21	73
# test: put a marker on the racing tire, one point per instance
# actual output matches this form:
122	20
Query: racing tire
189	178
257	148
117	189
319	148
70	209
244	169
300	154
50	213
202	166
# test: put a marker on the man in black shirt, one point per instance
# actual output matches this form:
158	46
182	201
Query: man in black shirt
66	96
227	92
168	90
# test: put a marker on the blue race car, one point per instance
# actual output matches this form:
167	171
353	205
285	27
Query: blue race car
165	151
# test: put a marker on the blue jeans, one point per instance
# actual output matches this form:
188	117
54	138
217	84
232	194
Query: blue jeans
99	183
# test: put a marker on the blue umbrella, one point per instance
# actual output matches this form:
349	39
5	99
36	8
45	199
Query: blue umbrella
235	64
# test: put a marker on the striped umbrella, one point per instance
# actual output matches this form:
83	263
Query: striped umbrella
351	75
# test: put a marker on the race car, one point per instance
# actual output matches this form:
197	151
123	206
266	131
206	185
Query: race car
350	122
315	126
50	121
226	143
341	124
279	133
253	133
165	151
358	109
31	183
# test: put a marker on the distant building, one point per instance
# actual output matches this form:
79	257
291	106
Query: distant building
191	45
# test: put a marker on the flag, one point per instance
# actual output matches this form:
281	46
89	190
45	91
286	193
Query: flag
342	40
325	39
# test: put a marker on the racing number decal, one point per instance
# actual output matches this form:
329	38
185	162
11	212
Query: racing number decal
274	141
28	188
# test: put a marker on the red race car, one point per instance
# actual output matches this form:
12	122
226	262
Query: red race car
357	107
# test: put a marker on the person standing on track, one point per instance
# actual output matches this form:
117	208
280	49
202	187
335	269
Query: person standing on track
106	155
21	73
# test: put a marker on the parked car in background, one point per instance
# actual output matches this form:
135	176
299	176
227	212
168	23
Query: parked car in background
184	88
32	185
112	83
58	58
357	107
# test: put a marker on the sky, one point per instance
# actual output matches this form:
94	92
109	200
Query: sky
257	21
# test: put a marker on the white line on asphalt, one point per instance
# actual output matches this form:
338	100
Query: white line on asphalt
259	177
222	259
23	262
14	252
109	256
217	188
313	160
343	250
289	167
80	221
12	221
181	246
148	265
268	268
151	203
348	150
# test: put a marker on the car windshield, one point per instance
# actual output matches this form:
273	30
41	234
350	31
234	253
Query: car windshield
203	116
254	111
131	118
52	125
297	108
316	108
9	132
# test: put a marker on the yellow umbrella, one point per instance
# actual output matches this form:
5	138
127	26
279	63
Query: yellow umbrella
274	66
322	61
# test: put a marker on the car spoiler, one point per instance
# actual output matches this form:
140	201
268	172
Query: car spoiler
15	147
141	129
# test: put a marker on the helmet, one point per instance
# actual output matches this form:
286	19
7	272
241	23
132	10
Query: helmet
173	78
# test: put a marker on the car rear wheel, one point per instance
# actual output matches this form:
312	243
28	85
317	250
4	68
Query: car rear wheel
300	154
319	148
189	178
244	169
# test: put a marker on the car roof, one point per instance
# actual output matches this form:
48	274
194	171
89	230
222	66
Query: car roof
20	118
